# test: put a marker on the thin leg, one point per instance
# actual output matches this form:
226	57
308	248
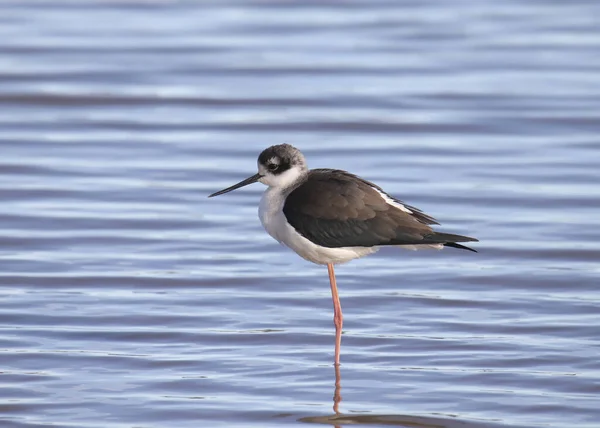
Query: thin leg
337	396
338	319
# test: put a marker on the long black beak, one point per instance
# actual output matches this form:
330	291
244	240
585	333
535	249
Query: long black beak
243	183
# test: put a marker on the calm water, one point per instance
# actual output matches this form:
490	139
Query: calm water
129	299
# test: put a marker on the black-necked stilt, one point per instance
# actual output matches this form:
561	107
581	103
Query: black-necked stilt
329	216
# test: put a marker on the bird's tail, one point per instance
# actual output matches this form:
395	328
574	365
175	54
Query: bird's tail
462	247
450	240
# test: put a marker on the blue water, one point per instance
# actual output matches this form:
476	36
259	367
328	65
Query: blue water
129	299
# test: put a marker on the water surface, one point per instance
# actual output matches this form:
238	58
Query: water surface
129	299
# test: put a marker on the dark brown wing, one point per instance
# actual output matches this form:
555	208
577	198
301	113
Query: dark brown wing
334	208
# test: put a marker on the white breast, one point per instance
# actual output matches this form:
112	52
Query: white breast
275	223
271	215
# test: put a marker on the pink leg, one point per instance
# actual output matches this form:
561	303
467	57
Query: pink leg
338	319
337	396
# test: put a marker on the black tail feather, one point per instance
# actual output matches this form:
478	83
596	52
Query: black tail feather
461	247
450	240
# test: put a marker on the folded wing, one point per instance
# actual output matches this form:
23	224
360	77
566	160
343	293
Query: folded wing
334	208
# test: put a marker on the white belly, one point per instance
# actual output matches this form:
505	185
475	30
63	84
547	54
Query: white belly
273	220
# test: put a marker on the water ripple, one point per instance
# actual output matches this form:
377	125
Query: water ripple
127	298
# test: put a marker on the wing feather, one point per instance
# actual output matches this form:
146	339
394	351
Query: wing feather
334	208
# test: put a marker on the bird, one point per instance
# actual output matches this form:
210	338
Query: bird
330	216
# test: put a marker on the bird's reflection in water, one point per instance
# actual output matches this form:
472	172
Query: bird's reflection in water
339	420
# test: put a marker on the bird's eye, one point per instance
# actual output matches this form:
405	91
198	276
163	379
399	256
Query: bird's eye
272	166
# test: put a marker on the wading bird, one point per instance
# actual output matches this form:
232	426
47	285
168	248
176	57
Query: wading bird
330	216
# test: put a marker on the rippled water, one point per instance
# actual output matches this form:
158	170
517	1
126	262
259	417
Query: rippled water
129	299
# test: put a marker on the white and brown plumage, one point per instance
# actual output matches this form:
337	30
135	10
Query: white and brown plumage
330	216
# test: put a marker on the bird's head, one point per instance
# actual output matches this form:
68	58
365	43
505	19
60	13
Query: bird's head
279	166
